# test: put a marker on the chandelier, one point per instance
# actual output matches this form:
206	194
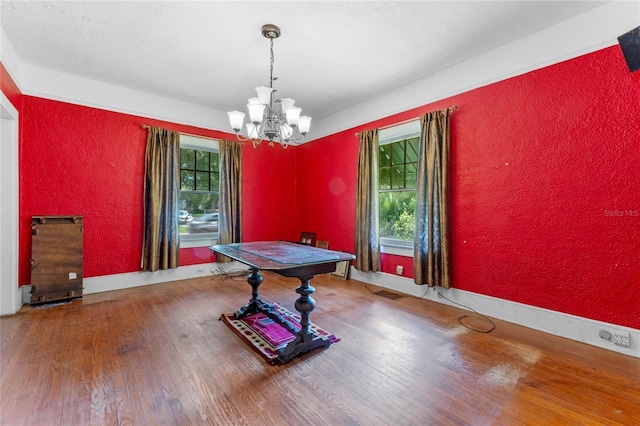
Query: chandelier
268	120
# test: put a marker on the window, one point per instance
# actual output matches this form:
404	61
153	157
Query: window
199	190
397	162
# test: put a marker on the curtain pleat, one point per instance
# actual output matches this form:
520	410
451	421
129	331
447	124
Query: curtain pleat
432	261
161	246
367	245
230	216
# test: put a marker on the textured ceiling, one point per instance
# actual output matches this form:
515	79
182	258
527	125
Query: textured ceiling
331	54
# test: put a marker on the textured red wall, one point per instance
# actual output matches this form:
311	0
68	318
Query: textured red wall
326	177
84	161
268	193
545	188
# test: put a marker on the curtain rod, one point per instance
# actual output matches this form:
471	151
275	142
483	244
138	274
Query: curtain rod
146	126
451	109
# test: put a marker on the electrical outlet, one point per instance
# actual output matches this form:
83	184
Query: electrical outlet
604	334
200	271
621	338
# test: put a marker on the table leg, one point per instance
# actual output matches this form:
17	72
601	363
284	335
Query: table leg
255	305
305	339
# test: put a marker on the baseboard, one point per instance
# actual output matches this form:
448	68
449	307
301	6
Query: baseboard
142	278
137	279
557	323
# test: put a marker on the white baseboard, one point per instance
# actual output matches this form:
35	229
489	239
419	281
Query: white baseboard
137	279
557	323
142	278
560	324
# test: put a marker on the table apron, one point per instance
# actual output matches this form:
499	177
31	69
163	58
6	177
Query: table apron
306	270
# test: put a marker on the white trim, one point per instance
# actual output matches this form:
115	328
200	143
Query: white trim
10	298
408	130
585	33
195	240
10	60
397	249
557	323
64	87
143	278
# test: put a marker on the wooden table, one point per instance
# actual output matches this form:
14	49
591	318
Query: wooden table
289	260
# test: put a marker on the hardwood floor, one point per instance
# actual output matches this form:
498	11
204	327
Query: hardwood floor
159	355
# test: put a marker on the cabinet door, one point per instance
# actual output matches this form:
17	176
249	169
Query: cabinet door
56	258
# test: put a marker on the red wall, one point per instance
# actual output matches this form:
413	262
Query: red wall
545	184
77	160
545	188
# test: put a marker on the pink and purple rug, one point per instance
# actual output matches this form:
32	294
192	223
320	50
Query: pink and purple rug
266	336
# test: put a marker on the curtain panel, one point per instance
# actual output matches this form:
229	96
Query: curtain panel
230	209
161	246
367	244
432	260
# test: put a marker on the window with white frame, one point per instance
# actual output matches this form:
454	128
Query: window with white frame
199	191
397	162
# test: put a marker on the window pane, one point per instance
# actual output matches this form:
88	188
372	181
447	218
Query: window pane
215	162
385	177
187	180
187	158
397	152
397	177
202	161
396	214
410	176
202	181
198	213
385	156
412	150
215	181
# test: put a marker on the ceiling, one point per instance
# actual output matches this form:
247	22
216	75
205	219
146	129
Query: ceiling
331	55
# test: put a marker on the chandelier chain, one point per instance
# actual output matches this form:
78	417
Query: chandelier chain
271	68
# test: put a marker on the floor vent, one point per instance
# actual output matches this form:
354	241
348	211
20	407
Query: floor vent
389	294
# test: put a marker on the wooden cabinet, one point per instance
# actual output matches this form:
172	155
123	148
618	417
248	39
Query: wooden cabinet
56	258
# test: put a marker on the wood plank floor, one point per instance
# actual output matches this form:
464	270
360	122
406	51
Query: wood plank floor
159	355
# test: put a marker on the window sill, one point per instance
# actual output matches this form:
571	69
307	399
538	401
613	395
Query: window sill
198	240
396	247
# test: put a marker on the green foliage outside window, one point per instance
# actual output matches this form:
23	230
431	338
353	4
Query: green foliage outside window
397	178
199	182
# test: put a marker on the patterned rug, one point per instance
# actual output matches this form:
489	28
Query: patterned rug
266	336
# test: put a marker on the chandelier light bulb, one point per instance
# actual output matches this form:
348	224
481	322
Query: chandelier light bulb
264	94
236	118
293	115
286	131
304	124
286	103
256	111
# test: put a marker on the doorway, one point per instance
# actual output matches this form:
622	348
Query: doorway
10	300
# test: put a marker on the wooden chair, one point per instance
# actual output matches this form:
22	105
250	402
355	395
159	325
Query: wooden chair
322	244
